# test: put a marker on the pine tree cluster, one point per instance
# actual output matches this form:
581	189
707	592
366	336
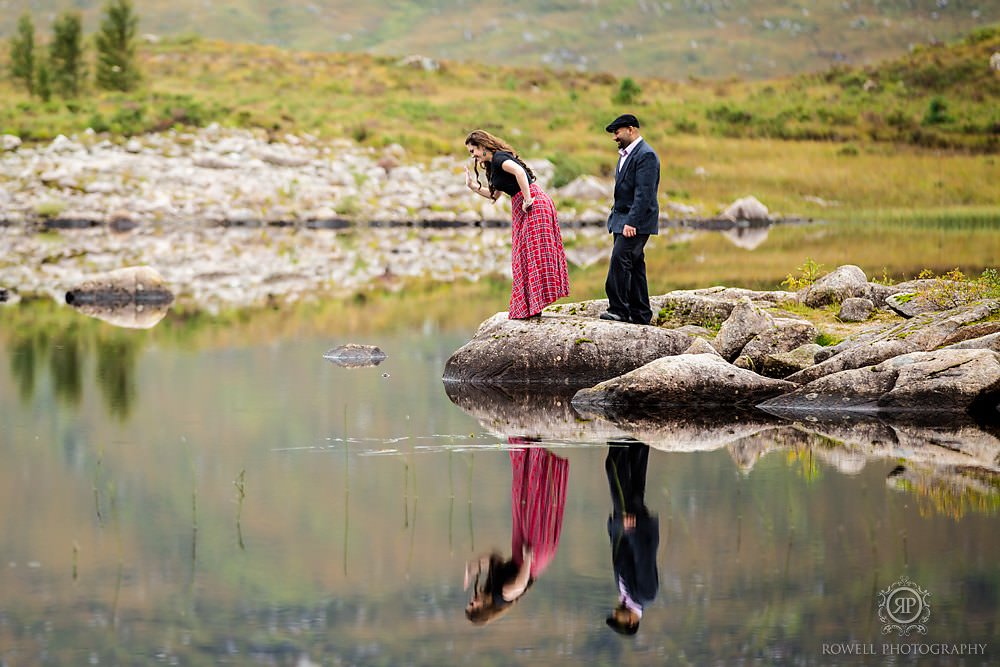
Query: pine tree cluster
62	68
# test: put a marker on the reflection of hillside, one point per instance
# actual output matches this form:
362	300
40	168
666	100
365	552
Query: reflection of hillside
949	490
66	356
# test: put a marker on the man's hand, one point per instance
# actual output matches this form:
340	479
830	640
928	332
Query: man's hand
628	231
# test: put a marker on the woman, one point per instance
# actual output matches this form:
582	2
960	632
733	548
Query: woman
538	260
538	497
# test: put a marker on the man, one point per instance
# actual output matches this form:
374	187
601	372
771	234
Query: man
634	533
634	216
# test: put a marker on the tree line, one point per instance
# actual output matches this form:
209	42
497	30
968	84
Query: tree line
61	69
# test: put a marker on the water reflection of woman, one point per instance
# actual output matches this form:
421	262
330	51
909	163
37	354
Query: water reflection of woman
537	498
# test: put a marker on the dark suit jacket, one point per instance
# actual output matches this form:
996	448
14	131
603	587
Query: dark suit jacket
633	556
636	185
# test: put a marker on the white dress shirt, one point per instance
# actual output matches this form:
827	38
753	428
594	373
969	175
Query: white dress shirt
625	152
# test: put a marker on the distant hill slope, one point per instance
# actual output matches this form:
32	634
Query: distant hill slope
674	39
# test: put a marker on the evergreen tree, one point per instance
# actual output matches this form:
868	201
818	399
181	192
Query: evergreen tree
43	81
22	53
116	65
66	54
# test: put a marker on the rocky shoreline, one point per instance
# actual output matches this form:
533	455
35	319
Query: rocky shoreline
923	346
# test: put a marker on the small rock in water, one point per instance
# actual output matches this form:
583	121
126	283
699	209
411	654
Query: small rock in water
354	355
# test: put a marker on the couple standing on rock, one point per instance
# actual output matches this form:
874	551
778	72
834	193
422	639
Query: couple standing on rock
538	260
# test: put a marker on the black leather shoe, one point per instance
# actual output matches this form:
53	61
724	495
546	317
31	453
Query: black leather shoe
608	315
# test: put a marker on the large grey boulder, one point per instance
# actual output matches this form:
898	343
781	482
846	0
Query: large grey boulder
942	380
712	305
558	350
690	379
854	357
929	295
746	208
972	332
788	334
856	309
744	323
783	364
926	331
843	282
988	342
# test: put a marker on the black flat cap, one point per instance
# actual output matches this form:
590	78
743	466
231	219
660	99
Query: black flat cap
625	120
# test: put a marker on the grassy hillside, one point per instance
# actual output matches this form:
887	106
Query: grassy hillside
666	38
923	129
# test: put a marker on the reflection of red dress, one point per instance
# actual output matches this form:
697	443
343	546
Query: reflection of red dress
537	499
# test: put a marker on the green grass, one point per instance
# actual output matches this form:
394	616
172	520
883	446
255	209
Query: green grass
817	145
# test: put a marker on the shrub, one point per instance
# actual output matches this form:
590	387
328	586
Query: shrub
628	92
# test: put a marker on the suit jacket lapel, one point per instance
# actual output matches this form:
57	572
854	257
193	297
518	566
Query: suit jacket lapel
629	161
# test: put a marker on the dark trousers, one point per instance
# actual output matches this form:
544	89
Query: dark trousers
628	293
626	468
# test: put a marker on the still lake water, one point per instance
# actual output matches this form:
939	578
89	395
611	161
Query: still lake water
167	500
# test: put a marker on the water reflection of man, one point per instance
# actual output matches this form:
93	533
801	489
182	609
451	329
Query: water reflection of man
634	533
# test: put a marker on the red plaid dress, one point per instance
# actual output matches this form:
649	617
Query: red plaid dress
537	500
537	257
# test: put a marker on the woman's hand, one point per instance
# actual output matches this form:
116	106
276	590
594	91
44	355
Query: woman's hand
527	203
470	182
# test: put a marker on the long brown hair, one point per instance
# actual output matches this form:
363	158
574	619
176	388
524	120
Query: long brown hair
486	586
491	143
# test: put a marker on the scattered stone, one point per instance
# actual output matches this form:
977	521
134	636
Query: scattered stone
841	283
354	355
9	142
855	309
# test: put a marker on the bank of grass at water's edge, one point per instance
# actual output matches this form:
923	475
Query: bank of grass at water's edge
920	132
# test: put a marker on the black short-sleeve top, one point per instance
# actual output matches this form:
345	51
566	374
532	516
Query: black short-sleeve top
502	180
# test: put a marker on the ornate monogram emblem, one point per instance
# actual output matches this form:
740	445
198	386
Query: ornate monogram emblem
903	608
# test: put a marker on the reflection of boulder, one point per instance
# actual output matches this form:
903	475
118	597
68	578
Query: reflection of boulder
932	439
748	238
141	285
687	429
519	411
353	355
128	316
949	490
